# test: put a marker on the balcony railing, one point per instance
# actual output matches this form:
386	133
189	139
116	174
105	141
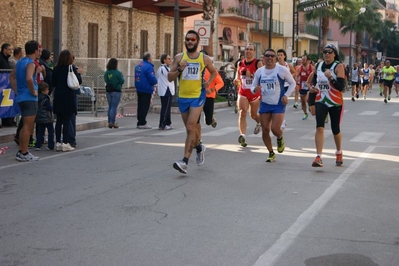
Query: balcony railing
244	10
277	26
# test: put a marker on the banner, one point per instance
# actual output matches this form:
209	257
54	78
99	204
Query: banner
8	104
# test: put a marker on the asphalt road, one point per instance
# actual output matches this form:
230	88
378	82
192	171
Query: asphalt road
116	200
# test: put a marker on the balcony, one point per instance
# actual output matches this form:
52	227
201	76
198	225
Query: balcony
186	7
277	27
244	11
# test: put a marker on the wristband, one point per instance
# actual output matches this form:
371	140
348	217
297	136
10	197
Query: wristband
178	69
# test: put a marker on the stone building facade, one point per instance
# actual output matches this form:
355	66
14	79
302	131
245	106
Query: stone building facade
118	28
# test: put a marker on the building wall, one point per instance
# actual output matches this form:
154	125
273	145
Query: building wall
118	26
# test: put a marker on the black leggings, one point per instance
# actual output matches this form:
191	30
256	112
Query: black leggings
208	111
62	124
323	110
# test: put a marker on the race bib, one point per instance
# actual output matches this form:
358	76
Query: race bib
323	85
268	86
191	71
246	82
304	86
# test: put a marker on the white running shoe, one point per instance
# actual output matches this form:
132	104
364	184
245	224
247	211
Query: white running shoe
67	147
257	129
201	156
58	146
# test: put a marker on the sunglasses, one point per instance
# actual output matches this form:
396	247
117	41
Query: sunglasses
191	39
328	52
269	55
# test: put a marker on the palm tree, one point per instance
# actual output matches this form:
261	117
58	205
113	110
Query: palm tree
330	12
387	35
209	8
367	21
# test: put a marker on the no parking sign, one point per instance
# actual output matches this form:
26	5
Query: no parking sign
203	27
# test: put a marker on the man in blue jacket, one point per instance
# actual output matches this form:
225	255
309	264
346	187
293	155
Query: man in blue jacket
144	80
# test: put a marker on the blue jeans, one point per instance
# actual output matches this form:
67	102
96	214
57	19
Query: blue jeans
113	99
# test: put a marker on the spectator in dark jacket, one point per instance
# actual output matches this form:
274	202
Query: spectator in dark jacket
64	99
44	118
44	61
144	81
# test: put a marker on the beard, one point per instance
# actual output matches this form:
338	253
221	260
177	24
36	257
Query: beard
193	49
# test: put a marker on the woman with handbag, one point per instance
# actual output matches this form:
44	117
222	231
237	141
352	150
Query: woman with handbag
114	80
64	98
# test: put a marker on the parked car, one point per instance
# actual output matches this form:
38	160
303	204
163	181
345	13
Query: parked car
86	99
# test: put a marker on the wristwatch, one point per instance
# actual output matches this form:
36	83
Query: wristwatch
178	69
331	78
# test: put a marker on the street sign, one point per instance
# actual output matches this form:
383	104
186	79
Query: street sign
203	27
204	42
310	5
379	54
383	58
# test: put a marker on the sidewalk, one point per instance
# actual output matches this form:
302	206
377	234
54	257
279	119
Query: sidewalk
86	121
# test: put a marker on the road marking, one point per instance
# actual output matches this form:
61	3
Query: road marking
310	135
169	132
271	255
58	154
368	137
395	114
369	113
125	132
219	132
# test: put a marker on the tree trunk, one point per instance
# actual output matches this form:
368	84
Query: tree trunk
209	9
325	26
358	43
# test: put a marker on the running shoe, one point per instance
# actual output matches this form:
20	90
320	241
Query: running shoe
305	116
283	125
257	129
385	101
241	140
271	158
295	105
214	122
317	162
180	166
389	97
66	147
353	99
58	146
364	97
380	93
338	159
326	120
32	144
201	156
25	158
357	95
280	145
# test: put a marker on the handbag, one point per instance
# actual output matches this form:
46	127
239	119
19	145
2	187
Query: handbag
72	80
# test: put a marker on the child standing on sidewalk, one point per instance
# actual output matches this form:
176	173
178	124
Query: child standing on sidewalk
44	118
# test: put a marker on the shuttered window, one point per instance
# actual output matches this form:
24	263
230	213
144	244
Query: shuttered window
47	33
143	42
167	44
92	43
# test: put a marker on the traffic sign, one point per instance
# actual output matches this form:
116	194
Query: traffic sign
310	5
203	27
379	54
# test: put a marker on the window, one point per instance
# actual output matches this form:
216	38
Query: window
92	43
47	33
167	44
143	42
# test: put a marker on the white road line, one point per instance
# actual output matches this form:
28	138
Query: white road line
219	132
271	256
310	135
395	114
369	113
169	132
368	137
58	154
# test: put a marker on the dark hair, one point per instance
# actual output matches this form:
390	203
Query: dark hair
163	57
307	57
146	56
31	47
5	46
282	51
269	50
112	64
45	54
17	51
65	58
193	32
42	86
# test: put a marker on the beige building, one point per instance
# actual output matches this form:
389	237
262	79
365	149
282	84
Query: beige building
97	28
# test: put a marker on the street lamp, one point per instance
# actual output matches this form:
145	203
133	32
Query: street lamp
176	27
362	10
270	23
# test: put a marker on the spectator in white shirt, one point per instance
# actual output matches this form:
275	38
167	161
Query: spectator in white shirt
166	90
